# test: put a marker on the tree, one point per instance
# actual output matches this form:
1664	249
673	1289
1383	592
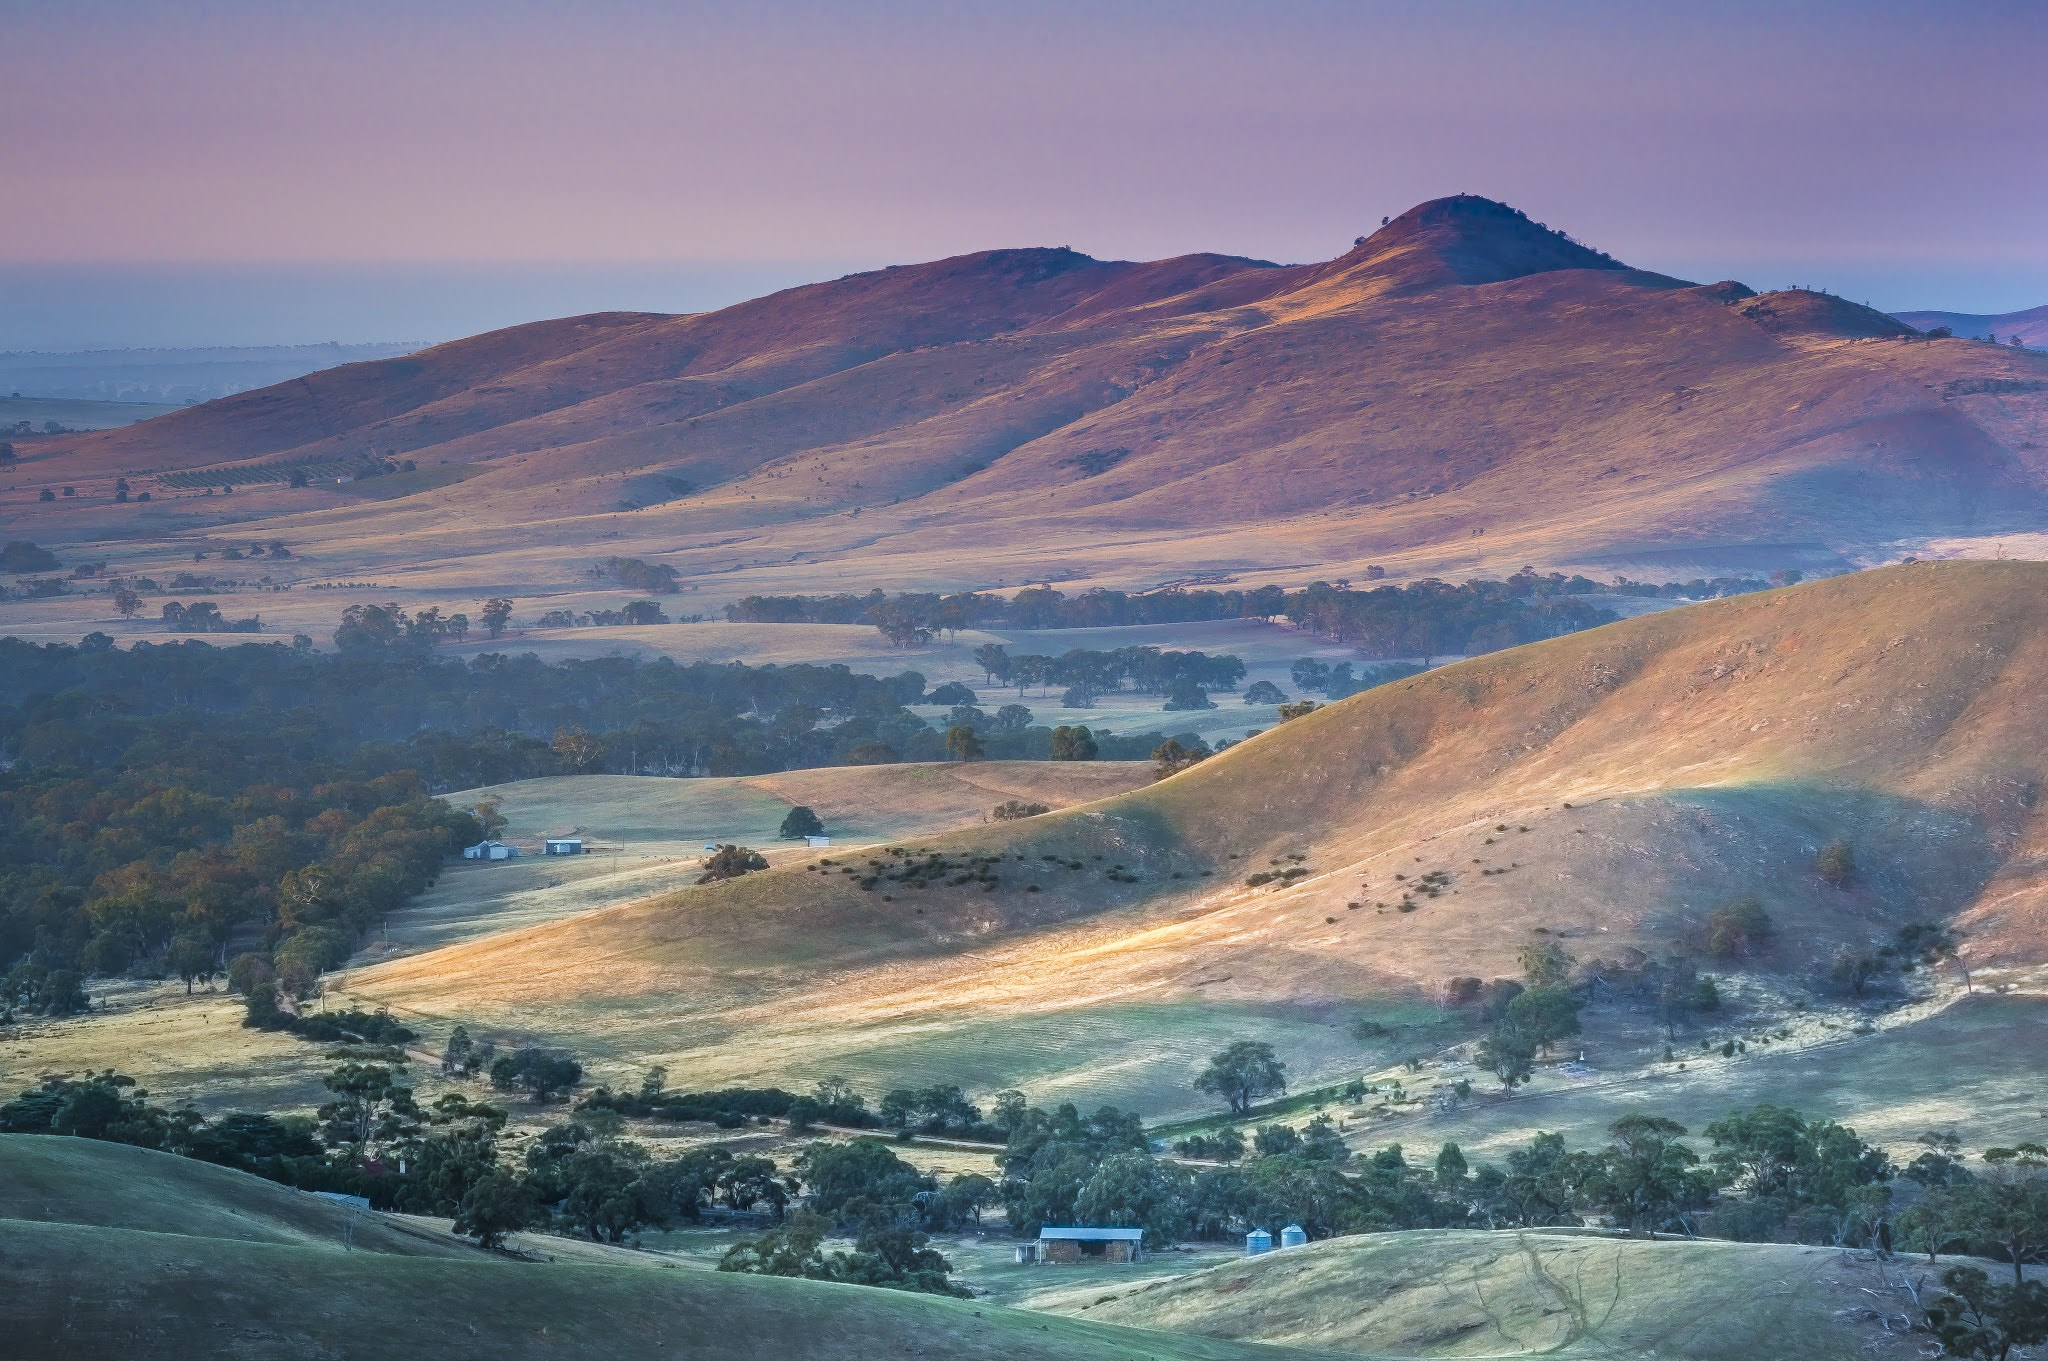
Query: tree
2009	1209
495	613
994	662
544	1073
962	744
1012	810
1073	744
1264	692
371	1107
1508	1054
800	822
1739	930
579	750
1545	1014
1173	757
1836	864
952	694
730	862
1856	969
1648	1178
1978	1319
1544	963
1012	718
1137	1191
192	959
497	1205
1187	693
127	603
1242	1073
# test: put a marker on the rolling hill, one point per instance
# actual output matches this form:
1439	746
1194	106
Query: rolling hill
1465	390
192	1261
2030	326
1448	1293
1610	789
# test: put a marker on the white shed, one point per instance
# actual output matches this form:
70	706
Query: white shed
490	850
562	845
818	843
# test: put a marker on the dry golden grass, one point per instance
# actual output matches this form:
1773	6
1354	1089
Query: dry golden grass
1450	1293
1459	394
1661	767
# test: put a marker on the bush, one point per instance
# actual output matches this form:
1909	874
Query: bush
1264	692
1836	864
730	862
544	1073
1739	930
1015	809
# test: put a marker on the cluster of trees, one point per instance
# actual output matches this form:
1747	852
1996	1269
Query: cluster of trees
638	575
635	613
1083	673
150	828
201	616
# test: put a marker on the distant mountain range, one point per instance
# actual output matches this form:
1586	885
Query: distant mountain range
1466	390
183	376
2031	326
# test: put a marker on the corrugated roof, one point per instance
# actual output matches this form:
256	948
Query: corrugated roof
1078	1235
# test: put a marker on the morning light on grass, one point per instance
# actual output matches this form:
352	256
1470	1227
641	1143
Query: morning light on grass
1036	681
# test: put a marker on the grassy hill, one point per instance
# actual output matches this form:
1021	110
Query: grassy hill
1452	1293
1465	390
112	1253
1609	789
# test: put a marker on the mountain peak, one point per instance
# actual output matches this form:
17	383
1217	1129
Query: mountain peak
1469	239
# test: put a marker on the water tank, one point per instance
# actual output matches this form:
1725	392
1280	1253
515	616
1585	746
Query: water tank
1256	1242
1292	1236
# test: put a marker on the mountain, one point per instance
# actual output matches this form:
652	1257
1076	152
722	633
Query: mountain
1464	390
1608	790
2030	326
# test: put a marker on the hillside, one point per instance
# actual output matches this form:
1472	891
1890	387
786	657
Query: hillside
1610	789
2031	325
1450	1293
211	1280
1466	390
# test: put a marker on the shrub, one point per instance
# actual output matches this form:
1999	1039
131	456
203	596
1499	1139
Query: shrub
1739	930
730	862
1014	809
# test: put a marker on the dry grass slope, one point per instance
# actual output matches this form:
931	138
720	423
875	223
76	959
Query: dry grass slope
1463	391
1610	788
1451	1293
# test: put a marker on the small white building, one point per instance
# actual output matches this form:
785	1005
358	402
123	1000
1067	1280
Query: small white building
818	843
490	850
562	845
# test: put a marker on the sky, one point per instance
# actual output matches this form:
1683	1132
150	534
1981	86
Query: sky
237	172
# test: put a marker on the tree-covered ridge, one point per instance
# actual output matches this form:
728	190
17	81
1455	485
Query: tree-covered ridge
1427	618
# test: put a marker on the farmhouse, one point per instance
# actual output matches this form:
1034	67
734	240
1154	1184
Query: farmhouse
562	845
490	850
1082	1244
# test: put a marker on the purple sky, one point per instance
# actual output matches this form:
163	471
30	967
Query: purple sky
1891	151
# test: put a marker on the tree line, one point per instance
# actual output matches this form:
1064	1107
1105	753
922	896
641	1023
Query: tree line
1428	618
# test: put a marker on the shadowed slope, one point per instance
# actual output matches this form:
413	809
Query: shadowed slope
217	1281
1611	788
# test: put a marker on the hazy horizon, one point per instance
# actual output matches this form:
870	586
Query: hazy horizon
235	172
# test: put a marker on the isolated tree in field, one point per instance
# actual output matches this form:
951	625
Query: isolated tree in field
495	613
962	744
192	959
730	862
1856	970
497	1205
800	822
1243	1073
1073	744
1508	1054
1264	692
456	1057
1930	943
1011	810
126	603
